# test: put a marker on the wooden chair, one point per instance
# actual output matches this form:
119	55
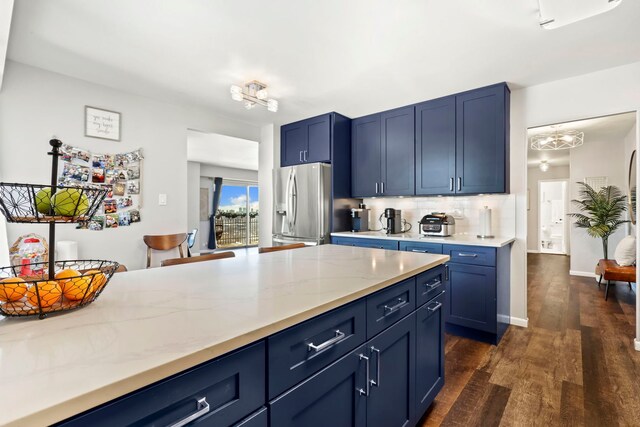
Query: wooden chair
164	243
281	248
609	270
200	258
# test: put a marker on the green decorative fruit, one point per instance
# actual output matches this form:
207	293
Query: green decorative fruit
70	202
43	201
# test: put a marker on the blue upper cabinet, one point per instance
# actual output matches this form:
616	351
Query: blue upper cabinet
398	144
366	156
482	140
436	147
306	141
382	154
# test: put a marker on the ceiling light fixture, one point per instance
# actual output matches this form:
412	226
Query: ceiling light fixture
558	140
254	93
544	166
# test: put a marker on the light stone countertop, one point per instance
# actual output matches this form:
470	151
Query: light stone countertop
456	239
150	324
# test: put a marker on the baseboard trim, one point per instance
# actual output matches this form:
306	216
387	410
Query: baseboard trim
517	321
582	274
636	344
533	251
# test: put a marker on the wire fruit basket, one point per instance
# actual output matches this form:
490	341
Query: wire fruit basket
37	289
28	290
39	203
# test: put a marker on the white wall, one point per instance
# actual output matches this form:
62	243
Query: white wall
602	93
535	175
36	104
4	243
597	157
213	171
268	153
629	147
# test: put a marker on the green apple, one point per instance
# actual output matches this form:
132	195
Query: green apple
43	201
70	202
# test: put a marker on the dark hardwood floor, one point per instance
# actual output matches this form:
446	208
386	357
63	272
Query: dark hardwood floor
575	364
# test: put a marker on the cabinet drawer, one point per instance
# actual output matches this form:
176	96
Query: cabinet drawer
232	385
427	248
471	255
429	284
304	349
391	245
386	307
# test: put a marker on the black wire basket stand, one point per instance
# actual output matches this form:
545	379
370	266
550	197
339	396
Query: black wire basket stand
49	287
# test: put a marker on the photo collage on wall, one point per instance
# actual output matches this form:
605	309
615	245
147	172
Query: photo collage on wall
120	173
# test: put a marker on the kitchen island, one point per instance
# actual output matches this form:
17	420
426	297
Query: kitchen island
295	318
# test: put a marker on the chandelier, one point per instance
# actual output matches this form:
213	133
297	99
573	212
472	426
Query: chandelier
557	140
254	93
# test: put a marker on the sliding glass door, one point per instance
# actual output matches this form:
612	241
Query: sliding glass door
237	215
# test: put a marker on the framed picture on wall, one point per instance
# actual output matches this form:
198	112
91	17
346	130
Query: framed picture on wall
99	123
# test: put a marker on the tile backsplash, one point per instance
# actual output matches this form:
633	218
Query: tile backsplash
464	209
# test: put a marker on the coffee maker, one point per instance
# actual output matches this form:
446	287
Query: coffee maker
394	220
360	218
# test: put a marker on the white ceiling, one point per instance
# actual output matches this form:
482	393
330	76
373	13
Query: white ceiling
354	57
6	7
612	128
221	150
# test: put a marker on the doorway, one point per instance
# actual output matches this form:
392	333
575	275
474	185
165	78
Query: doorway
237	216
552	210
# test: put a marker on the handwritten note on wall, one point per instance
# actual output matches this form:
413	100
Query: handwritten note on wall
102	123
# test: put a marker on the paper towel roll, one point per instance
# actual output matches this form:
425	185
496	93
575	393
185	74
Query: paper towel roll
66	250
485	223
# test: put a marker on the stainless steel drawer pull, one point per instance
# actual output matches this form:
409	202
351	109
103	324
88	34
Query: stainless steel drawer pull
376	382
433	285
422	251
396	307
202	409
435	308
301	157
328	343
451	184
459	183
361	391
376	188
462	254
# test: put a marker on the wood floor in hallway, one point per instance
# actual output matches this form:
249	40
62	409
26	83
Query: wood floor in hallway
575	364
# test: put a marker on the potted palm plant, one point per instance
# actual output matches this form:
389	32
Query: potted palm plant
600	212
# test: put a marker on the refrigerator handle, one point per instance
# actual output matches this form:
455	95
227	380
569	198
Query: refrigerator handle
289	201
294	197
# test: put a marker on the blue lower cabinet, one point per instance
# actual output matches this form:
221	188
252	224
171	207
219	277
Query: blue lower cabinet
218	393
360	242
335	396
471	299
257	419
429	352
391	401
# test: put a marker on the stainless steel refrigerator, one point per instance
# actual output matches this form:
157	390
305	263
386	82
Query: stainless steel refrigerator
302	204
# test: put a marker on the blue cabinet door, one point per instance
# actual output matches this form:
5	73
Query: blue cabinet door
365	156
471	299
391	402
436	147
482	140
398	145
429	352
319	139
335	396
293	143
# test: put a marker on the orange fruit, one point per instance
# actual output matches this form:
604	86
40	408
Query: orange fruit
61	276
12	289
50	293
75	289
99	279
